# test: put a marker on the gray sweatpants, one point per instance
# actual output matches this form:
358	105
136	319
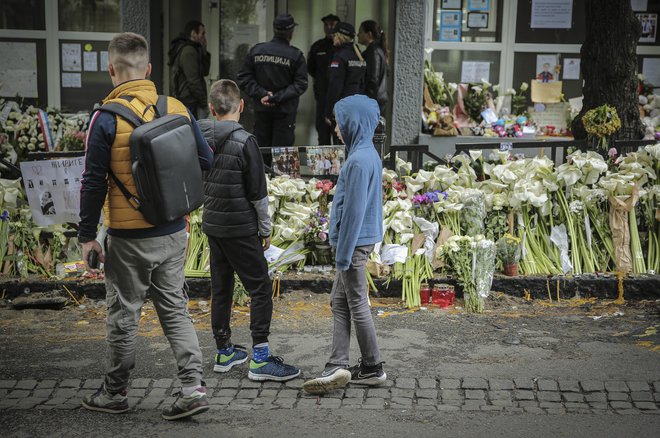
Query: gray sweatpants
349	301
133	269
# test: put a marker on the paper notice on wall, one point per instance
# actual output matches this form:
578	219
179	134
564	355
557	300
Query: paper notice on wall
71	55
554	114
546	92
639	5
90	61
475	71
18	69
572	68
53	189
552	14
71	80
103	63
651	71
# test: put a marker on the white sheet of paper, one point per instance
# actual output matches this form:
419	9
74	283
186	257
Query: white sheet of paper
103	63
273	253
651	71
576	103
552	14
391	254
90	61
71	80
571	68
475	71
71	54
18	69
639	5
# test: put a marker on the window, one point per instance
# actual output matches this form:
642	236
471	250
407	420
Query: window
467	21
89	15
23	14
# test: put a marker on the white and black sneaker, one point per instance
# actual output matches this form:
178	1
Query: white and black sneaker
333	377
362	374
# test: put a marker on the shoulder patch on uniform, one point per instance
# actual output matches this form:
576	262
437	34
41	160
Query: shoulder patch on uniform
334	64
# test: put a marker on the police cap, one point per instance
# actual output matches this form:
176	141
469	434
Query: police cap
284	22
330	17
345	29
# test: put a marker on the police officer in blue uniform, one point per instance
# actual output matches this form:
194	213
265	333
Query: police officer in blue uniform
274	74
318	61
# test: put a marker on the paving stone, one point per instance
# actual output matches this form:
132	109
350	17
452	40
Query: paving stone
547	385
402	393
330	403
592	385
474	383
220	400
566	385
628	412
240	407
453	402
210	383
456	383
18	393
475	394
137	392
550	405
500	384
501	402
378	393
533	410
423	407
29	403
56	401
499	395
573	397
405	383
426	383
295	383
351	401
656	396
621	405
251	384
645	405
555	411
524	395
492	408
447	408
354	393
163	383
617	396
574	405
49	384
29	384
527	403
287	393
337	393
91	383
638	385
42	393
8	384
374	401
3	393
451	394
550	396
598	406
427	394
158	392
66	392
616	386
514	410
139	383
581	411
268	393
247	393
426	402
596	397
310	403
271	385
473	405
402	401
641	396
230	383
656	386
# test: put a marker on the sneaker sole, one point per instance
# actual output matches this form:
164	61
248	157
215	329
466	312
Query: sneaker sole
190	413
224	368
263	377
371	381
323	385
106	410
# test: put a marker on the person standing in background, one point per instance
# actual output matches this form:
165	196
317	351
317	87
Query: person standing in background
274	74
375	55
189	63
318	61
346	71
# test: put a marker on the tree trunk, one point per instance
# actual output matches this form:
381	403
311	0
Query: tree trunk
609	65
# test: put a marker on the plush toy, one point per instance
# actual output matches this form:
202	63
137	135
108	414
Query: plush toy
445	126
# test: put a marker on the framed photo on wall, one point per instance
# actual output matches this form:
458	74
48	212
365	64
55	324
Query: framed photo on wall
451	4
477	20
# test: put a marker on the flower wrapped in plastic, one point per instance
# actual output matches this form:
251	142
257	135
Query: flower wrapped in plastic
473	213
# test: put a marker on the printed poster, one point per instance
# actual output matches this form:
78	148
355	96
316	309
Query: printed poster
18	69
475	71
286	161
649	24
552	14
71	57
53	189
104	61
90	61
450	26
572	68
323	161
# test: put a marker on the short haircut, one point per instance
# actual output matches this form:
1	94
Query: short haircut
225	97
190	26
129	51
283	33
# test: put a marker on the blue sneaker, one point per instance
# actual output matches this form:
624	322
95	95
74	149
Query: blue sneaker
272	368
236	355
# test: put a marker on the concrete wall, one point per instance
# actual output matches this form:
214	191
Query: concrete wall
408	71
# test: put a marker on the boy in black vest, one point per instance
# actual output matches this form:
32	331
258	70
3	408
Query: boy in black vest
237	223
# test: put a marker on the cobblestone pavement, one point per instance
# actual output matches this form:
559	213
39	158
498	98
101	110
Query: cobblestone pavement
518	395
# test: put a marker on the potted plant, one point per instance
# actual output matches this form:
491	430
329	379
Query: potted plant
508	251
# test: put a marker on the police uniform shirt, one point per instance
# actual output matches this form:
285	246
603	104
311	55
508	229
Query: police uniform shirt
346	74
318	61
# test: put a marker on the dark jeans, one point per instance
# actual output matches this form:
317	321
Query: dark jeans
274	130
245	256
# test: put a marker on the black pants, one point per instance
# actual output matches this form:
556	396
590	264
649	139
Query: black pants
323	129
245	256
274	130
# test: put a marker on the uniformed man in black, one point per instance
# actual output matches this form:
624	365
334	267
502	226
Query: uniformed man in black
347	69
318	61
274	74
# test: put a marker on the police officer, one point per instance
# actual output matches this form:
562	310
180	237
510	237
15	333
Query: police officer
274	74
347	69
318	61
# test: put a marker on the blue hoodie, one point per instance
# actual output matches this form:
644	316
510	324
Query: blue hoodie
357	208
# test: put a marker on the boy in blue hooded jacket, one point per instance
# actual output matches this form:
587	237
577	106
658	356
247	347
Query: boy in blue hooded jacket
356	225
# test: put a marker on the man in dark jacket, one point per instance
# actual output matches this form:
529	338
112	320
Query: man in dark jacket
318	61
189	62
237	223
274	74
375	55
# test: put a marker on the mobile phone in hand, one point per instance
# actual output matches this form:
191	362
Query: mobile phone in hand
93	259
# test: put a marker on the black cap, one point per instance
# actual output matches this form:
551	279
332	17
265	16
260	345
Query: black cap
284	22
330	17
344	28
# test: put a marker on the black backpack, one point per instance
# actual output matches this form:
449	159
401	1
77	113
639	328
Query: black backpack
165	164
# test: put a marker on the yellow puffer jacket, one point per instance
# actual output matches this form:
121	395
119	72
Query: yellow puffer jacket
117	212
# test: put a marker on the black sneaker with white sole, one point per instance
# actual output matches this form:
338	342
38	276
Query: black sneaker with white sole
331	378
362	374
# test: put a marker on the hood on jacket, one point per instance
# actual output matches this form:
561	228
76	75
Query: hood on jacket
176	46
216	132
357	117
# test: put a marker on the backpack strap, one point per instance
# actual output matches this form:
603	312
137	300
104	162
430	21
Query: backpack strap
161	106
